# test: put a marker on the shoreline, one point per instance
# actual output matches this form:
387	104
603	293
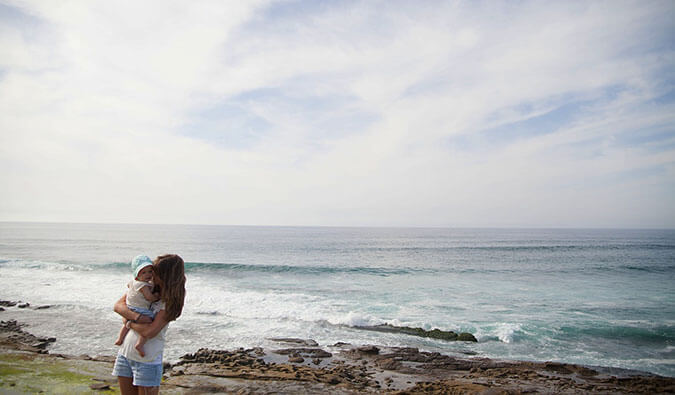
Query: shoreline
301	365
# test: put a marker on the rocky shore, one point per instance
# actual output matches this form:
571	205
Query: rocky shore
303	366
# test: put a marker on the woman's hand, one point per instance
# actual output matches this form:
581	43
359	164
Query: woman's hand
151	330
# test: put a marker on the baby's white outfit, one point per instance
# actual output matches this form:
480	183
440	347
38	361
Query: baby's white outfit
135	299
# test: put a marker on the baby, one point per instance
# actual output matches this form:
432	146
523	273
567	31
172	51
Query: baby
139	296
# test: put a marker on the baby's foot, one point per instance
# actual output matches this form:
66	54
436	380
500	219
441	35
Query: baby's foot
139	348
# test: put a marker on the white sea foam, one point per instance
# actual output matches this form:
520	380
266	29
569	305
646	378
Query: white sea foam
355	319
506	332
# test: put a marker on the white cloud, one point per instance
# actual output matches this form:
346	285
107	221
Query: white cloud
362	102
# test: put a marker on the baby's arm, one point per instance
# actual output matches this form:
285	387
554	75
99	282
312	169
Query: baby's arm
148	295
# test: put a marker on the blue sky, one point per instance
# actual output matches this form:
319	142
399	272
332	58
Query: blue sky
345	113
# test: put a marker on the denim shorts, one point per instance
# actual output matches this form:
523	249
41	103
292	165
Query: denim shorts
144	374
143	311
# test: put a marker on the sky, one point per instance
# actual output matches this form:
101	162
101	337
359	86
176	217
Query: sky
339	113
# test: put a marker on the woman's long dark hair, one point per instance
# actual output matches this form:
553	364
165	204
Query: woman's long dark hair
171	271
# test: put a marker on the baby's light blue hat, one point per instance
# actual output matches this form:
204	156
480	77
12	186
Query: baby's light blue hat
139	263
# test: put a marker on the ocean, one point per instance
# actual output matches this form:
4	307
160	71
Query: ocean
588	296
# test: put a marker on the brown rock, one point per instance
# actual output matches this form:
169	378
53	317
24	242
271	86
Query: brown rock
388	364
304	342
332	379
557	367
99	387
368	350
308	352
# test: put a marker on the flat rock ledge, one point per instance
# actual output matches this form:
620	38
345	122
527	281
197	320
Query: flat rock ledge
13	336
21	305
405	370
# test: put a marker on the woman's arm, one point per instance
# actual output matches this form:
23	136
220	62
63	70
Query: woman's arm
148	295
122	309
150	330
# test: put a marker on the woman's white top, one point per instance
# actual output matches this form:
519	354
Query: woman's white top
153	348
134	296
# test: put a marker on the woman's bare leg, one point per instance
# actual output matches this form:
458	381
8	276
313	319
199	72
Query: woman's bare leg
126	386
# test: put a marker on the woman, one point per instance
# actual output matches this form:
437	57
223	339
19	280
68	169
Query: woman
143	375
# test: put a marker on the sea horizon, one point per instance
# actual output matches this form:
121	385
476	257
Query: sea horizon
506	227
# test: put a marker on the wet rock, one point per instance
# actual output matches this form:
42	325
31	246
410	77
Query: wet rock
231	359
46	306
418	369
104	358
258	351
434	333
13	336
100	387
10	326
41	345
2	309
308	352
7	303
296	359
304	342
557	367
23	305
388	364
466	337
587	372
371	350
332	379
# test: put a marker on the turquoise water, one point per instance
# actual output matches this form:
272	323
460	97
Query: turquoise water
596	297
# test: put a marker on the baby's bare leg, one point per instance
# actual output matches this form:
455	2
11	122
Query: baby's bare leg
123	333
139	345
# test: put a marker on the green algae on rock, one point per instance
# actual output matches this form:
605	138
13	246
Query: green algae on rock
434	333
23	372
466	337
